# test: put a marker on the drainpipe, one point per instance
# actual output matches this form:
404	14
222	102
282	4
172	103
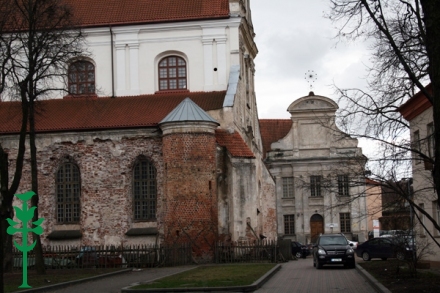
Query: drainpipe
112	62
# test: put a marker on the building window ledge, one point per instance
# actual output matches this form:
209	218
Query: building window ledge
142	231
64	235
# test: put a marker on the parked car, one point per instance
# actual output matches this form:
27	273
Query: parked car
333	249
383	248
354	243
299	250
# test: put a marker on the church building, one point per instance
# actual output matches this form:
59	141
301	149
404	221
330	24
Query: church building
156	138
318	170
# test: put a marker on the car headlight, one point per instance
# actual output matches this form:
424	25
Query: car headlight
321	251
350	250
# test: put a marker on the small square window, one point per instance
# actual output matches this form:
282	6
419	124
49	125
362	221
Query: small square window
182	83
172	72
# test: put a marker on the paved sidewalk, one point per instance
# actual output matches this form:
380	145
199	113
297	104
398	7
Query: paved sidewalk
300	277
295	276
113	284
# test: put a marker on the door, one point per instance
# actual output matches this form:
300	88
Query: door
316	227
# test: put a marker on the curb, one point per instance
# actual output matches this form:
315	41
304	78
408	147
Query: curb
69	283
372	280
249	288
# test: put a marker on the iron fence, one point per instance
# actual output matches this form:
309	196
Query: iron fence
133	256
142	256
253	251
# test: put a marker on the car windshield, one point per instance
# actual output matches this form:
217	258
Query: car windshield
336	240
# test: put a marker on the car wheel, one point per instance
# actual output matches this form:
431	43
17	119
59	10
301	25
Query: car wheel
298	254
314	263
400	255
384	258
318	266
366	256
350	265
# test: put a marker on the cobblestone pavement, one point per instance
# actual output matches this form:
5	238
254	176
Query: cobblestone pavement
300	277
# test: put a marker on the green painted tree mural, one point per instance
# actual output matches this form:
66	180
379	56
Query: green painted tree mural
25	215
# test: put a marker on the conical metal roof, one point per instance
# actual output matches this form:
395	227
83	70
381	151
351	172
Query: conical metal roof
187	110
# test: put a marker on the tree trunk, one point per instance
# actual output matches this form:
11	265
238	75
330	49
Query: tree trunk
7	193
39	260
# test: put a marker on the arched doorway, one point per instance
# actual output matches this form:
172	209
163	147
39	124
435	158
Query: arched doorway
316	227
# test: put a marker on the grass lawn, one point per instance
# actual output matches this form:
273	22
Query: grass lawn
212	276
13	280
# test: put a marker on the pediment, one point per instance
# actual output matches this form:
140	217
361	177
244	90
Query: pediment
313	103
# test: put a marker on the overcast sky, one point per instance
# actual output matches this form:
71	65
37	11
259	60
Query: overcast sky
293	37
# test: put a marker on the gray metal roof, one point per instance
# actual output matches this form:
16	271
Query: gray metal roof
187	110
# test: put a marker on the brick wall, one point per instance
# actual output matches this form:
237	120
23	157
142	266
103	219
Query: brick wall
190	192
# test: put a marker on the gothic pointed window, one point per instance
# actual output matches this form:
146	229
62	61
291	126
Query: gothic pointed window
172	73
68	190
144	190
81	78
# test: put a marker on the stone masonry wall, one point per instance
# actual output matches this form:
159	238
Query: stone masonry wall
105	167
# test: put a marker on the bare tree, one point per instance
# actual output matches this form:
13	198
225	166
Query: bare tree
405	48
37	40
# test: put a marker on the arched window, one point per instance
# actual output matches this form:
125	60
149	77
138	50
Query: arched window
172	73
81	78
144	190
68	194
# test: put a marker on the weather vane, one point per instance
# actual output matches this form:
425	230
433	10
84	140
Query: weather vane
311	77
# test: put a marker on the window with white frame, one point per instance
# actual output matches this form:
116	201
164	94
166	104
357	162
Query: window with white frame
343	185
289	224
344	221
416	146
436	207
315	186
430	139
422	219
287	186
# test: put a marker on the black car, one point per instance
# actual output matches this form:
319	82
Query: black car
299	250
333	249
384	248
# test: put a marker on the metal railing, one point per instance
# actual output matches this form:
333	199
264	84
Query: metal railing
136	256
253	251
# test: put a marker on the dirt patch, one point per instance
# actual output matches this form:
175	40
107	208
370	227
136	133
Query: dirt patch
396	276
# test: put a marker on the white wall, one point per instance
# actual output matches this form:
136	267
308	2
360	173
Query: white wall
137	49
